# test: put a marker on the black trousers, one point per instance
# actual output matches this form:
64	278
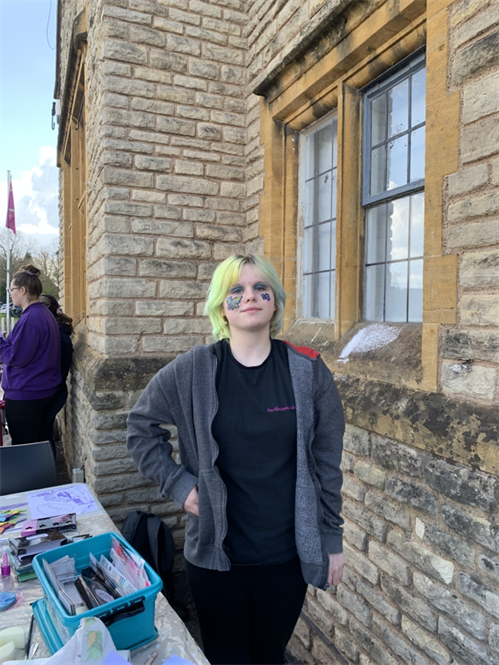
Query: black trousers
247	614
56	403
26	419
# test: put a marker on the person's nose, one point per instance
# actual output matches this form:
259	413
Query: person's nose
249	294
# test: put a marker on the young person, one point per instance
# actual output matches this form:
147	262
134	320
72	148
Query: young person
31	360
65	324
260	427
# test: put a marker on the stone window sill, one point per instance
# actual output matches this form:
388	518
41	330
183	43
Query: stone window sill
391	353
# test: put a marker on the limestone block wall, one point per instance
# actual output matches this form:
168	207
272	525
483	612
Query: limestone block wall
167	173
421	545
470	349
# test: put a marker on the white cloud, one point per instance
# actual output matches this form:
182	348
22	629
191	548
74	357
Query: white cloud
36	198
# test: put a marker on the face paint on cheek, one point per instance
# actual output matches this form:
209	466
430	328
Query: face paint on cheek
266	296
233	302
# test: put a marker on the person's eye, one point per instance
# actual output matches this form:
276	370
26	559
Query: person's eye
261	287
236	289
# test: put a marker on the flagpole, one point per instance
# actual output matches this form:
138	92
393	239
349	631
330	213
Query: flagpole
8	258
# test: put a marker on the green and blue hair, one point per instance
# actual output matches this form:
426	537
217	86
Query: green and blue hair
225	276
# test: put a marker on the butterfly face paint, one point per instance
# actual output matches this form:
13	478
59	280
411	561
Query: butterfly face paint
266	296
233	302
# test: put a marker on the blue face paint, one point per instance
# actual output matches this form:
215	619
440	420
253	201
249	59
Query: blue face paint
266	296
233	302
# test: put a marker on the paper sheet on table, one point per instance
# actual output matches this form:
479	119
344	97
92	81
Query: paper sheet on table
61	500
177	660
114	658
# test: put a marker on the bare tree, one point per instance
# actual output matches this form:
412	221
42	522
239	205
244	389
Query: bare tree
47	260
23	251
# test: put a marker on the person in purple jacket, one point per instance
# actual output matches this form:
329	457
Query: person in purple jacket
31	360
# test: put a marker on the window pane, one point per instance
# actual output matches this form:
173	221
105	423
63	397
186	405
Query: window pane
325	148
310	157
378	120
376	234
396	292
309	203
324	245
417	225
416	291
398	108
308	249
397	163
417	154
418	105
397	245
323	296
307	295
378	170
375	286
324	197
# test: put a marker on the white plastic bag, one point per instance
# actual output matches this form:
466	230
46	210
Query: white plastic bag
90	645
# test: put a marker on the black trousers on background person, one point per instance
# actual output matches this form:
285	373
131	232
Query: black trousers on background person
26	419
247	614
56	403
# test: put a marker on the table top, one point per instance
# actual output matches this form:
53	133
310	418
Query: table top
173	636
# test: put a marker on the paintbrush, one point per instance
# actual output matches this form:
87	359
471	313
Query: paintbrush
30	633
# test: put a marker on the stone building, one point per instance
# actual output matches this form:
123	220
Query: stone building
192	129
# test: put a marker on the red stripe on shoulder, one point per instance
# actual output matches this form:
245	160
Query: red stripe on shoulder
306	350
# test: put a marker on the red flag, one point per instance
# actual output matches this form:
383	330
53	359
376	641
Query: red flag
11	213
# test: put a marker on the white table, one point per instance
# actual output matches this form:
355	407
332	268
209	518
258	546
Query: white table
173	636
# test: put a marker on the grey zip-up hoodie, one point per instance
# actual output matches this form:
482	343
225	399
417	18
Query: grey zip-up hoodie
184	394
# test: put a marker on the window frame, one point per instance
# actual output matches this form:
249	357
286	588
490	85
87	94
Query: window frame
73	163
389	79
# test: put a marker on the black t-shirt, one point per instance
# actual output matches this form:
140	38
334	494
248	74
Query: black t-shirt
255	428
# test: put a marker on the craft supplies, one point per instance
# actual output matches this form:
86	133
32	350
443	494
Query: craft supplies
23	547
30	635
9	517
7	651
6	581
130	616
62	523
5	565
15	634
7	599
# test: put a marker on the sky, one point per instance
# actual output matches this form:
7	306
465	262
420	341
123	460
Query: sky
27	142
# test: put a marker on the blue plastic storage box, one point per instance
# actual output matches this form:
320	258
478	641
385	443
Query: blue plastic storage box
129	619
